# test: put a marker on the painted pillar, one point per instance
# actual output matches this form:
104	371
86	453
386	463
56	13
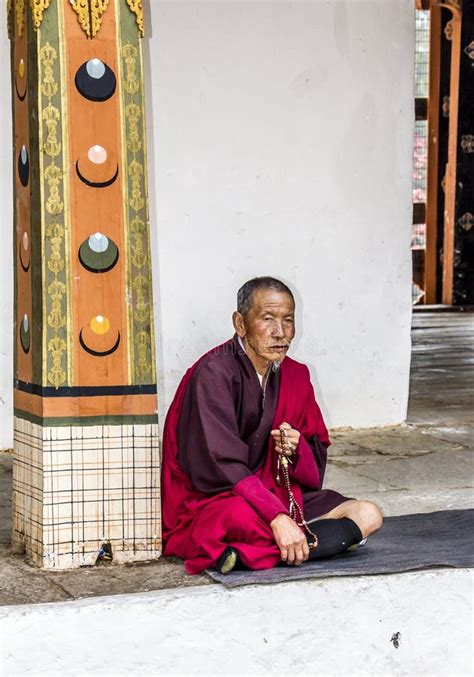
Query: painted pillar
86	460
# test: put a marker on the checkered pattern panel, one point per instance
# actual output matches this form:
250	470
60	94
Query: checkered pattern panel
27	499
100	484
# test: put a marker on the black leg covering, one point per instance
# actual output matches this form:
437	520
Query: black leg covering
334	536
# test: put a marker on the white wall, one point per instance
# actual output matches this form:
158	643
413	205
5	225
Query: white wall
282	141
6	242
332	626
280	137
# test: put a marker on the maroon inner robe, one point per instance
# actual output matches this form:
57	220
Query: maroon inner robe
219	463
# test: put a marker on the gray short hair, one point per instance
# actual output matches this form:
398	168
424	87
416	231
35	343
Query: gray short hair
245	293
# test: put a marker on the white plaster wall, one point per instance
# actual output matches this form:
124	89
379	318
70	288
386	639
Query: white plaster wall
280	137
327	627
6	253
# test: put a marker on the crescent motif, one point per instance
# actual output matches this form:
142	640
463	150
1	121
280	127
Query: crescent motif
27	266
22	97
99	353
96	184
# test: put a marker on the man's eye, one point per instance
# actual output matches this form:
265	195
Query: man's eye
289	320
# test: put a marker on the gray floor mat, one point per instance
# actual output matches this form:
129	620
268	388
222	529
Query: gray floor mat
405	543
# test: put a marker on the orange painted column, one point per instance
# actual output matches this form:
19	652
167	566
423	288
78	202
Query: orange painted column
86	460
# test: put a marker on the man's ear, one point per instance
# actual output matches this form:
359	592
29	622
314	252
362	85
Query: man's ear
239	324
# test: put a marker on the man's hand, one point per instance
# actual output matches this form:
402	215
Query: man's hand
293	438
290	539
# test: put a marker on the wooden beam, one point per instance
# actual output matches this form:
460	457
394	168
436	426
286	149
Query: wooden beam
431	253
450	193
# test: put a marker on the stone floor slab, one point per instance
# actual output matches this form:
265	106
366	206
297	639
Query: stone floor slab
420	472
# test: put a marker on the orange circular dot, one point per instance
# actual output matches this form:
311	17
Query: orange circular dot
99	324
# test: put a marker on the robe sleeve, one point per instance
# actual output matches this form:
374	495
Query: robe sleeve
211	451
309	463
265	504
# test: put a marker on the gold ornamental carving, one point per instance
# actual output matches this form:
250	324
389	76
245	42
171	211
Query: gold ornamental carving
38	8
132	115
10	19
57	375
54	206
136	6
139	278
53	176
56	263
141	310
20	16
131	81
139	252
137	198
48	56
89	14
143	344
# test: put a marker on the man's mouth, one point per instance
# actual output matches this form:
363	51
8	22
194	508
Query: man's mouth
279	348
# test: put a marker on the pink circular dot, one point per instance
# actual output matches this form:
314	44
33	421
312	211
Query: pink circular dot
97	155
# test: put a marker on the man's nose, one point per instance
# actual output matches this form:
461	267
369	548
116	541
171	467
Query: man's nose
277	330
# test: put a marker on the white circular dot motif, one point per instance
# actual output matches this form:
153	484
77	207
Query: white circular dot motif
97	155
95	68
98	243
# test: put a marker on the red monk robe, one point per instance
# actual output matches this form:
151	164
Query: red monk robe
219	463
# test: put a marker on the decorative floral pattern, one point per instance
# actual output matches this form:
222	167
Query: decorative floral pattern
56	290
466	221
469	50
445	107
467	143
139	269
38	8
136	7
89	13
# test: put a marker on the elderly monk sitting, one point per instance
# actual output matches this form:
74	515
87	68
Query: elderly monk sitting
243	424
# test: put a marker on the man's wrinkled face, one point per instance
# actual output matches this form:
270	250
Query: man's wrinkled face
268	328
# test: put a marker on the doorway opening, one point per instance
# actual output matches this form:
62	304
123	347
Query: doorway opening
443	232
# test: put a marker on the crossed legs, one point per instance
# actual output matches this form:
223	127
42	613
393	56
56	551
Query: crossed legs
365	514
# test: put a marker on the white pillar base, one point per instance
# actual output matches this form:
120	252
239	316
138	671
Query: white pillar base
78	487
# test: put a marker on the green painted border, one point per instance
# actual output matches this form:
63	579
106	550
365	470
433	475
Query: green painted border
139	327
50	32
63	421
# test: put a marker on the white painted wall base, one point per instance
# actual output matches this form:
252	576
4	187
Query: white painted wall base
327	627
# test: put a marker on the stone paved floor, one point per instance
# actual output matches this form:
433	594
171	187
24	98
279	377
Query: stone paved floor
421	466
